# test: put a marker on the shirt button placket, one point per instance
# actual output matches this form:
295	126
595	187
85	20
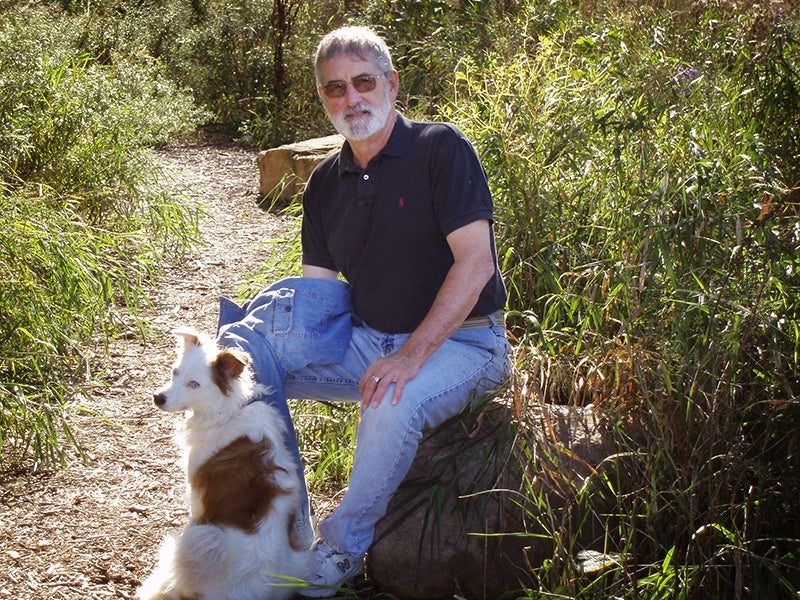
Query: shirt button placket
366	188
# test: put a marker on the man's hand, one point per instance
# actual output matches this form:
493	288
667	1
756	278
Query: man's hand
394	369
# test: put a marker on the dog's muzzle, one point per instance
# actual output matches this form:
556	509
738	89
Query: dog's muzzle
159	399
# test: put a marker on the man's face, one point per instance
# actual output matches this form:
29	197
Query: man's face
357	115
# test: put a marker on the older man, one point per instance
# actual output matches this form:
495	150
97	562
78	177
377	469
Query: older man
403	212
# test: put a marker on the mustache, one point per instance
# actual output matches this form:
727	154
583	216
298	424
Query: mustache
358	108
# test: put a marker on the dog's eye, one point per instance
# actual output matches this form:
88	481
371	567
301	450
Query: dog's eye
192	384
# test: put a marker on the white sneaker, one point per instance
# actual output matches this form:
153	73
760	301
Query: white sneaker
330	570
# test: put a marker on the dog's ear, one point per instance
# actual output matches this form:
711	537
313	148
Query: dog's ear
187	337
231	363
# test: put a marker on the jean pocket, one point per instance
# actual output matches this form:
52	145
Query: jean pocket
283	312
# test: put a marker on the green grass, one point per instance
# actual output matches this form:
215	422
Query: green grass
84	226
632	170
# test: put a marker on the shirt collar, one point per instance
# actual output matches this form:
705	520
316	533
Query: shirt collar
396	146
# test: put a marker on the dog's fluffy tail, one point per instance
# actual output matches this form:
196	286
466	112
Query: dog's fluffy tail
163	576
187	563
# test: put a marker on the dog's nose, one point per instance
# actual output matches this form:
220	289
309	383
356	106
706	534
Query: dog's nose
159	399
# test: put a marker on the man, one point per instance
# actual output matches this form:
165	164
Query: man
403	212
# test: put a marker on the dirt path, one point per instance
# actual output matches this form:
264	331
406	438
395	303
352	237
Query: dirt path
92	530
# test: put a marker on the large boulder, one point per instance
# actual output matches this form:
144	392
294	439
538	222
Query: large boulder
477	510
283	171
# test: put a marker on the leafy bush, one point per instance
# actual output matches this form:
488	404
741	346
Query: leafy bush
247	63
649	233
80	214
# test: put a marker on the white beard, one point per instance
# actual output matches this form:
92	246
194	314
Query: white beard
366	124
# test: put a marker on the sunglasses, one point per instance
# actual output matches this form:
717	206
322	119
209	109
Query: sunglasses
362	84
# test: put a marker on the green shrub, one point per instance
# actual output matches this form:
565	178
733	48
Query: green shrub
249	65
650	239
83	228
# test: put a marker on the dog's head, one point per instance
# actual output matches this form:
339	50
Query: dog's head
205	378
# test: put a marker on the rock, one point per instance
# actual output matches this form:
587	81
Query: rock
283	171
475	512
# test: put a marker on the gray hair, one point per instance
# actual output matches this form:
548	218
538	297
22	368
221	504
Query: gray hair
360	41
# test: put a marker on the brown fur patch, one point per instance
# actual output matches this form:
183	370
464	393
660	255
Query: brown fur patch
228	365
236	486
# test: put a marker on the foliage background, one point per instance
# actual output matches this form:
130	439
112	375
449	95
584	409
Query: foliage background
644	160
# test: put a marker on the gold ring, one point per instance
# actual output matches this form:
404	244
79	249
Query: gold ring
376	379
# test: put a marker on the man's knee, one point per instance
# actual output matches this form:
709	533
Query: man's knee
388	417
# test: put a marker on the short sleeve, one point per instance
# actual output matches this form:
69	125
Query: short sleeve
461	192
312	233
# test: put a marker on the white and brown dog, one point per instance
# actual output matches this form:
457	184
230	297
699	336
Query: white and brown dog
242	485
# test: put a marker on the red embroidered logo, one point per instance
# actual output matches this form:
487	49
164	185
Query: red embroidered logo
401	202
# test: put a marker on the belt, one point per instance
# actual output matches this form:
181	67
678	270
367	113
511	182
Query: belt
476	322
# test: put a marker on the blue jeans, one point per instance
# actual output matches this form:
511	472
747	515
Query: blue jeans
306	342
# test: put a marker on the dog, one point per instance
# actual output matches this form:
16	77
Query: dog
242	485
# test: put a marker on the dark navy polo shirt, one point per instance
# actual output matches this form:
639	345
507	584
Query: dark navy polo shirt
384	228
